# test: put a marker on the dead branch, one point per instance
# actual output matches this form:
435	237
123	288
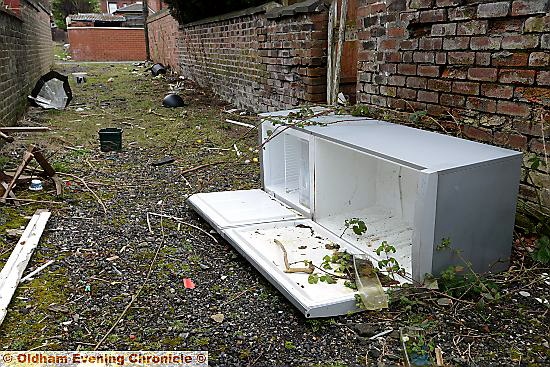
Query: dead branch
201	167
179	220
288	269
89	189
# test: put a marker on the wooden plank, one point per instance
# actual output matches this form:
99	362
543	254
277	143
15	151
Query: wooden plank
330	51
23	129
7	138
338	61
26	159
19	259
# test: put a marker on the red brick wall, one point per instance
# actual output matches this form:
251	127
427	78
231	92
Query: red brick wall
256	59
107	44
486	63
163	39
26	53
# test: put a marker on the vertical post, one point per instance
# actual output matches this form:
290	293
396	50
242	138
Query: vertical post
145	29
339	50
330	46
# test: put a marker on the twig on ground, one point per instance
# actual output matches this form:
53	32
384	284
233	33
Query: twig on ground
201	167
180	220
89	189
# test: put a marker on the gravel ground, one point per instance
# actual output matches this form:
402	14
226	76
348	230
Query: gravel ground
102	259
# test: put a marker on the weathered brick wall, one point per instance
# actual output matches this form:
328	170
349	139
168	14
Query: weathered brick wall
107	44
486	63
26	53
262	58
163	32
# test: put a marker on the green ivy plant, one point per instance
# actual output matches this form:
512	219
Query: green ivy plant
357	225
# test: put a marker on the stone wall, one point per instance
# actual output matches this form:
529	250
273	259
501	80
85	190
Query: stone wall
26	52
485	63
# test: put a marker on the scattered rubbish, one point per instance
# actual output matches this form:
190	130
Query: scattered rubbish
524	293
88	288
368	285
444	301
36	185
12	271
543	301
52	91
110	80
240	123
79	109
204	266
173	100
113	258
188	283
110	139
158	69
218	317
36	271
80	78
32	152
379	335
223	277
415	348
342	100
14	232
163	161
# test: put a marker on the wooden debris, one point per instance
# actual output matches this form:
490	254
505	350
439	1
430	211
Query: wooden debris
239	123
11	273
7	138
288	269
36	271
23	129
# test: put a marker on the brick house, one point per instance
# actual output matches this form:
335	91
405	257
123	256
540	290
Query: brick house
110	6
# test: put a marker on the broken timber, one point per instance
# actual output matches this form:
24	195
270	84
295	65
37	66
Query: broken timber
17	262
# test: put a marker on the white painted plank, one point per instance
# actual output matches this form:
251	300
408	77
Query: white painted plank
17	262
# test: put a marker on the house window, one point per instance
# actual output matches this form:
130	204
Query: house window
112	7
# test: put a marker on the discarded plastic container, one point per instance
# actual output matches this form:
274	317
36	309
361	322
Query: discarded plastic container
158	69
368	285
36	185
173	100
110	139
80	78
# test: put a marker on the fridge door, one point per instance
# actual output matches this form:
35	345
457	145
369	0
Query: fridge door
303	240
228	209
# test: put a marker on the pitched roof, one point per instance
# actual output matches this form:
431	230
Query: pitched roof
93	17
132	8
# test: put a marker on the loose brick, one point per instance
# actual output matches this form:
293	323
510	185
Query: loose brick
513	108
466	88
507	58
473	27
510	140
539	59
456	43
512	42
461	58
425	96
537	24
481	104
439	85
428	70
513	76
485	43
493	10
526	7
447	29
543	78
497	91
483	74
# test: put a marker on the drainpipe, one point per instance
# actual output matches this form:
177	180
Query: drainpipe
145	29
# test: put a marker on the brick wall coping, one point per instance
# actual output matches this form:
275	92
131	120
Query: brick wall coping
158	15
304	7
235	14
10	13
137	28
